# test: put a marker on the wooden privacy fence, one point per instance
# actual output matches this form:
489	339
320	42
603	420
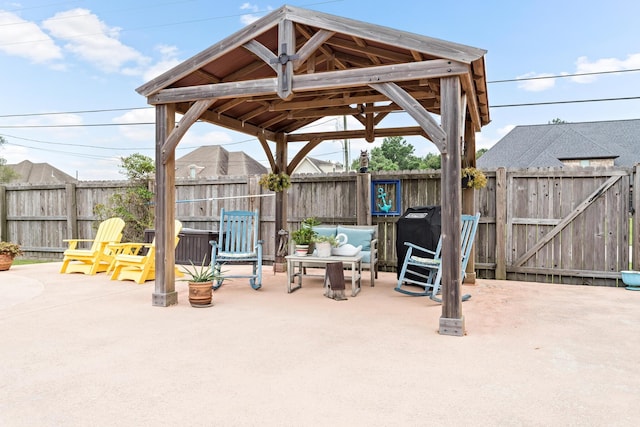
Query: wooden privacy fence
547	225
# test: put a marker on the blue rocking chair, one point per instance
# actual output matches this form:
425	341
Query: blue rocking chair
238	243
422	267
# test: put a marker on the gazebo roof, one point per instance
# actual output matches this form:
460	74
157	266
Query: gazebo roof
334	60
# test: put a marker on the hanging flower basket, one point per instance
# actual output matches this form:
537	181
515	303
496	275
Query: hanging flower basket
473	178
275	181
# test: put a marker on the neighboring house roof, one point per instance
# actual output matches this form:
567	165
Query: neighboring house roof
38	173
313	165
547	145
214	160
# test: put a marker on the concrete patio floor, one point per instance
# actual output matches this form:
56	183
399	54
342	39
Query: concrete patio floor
87	351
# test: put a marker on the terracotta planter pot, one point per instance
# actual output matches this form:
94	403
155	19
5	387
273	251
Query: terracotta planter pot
5	262
302	250
200	294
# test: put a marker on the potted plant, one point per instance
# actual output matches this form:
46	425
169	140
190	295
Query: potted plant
303	237
200	279
8	251
324	244
473	178
275	181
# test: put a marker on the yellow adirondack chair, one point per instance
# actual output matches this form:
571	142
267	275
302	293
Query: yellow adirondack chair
98	257
129	264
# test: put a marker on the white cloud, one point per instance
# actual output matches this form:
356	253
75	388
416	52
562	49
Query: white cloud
92	40
195	139
14	154
168	59
138	133
252	17
583	65
537	85
25	39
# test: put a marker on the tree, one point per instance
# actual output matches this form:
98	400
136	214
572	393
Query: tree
134	204
137	167
394	154
432	161
556	121
480	152
6	173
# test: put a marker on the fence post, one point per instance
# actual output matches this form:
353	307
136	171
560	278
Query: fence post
3	214
635	238
72	211
501	224
363	199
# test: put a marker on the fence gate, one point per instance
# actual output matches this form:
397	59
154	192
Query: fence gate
567	227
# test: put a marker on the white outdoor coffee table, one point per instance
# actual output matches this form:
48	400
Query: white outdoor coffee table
299	261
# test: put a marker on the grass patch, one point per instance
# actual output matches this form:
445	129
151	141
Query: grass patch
23	261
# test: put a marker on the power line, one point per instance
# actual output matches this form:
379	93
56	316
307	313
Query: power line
104	110
528	104
169	24
576	101
75	126
563	75
107	110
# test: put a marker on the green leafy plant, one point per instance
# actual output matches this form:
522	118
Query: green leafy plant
11	249
275	181
134	204
330	239
305	234
201	273
475	178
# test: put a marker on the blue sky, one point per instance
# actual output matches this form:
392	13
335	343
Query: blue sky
71	56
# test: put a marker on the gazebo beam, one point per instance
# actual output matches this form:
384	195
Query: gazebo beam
267	151
311	46
237	125
192	115
356	133
286	55
415	110
310	82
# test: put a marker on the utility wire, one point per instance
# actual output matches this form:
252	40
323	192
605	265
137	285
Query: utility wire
594	73
148	27
107	110
528	104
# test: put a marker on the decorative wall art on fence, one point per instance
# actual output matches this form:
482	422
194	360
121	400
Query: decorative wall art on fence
385	197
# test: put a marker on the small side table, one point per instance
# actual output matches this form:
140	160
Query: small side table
301	261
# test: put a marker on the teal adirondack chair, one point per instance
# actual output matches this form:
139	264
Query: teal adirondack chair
238	244
422	267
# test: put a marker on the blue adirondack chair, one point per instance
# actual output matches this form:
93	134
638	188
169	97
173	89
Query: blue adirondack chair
238	244
422	267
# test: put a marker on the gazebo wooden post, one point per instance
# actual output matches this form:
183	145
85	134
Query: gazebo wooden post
452	320
468	195
164	293
281	200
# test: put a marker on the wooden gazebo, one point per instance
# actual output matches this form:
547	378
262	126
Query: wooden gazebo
296	66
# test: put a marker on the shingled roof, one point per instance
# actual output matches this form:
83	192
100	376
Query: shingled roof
547	145
39	173
213	160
